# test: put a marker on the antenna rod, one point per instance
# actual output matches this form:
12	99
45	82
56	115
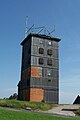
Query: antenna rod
30	28
26	26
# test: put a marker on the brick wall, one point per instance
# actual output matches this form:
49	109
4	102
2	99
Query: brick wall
36	94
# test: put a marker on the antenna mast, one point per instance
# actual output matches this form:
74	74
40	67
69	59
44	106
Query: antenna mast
26	26
33	29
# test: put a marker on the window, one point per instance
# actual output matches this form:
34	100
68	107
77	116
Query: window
41	51
49	80
49	52
49	62
49	43
41	61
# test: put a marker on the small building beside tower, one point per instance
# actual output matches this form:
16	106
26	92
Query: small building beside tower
40	69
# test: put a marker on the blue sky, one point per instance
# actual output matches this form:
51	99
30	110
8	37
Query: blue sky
65	15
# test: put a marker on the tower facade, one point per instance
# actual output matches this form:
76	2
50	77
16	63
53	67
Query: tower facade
40	69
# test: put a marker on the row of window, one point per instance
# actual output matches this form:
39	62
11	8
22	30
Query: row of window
49	61
41	51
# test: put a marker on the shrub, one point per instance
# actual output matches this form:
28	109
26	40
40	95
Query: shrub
77	112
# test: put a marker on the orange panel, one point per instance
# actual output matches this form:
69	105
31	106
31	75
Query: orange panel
36	72
36	94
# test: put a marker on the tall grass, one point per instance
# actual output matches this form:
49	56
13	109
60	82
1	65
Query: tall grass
25	104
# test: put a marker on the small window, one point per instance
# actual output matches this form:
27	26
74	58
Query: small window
41	61
49	43
49	80
49	62
49	52
41	51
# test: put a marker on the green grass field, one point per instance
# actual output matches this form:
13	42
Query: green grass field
14	115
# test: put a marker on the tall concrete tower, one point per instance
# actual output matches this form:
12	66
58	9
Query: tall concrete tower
40	69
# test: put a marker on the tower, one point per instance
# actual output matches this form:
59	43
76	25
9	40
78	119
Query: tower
40	69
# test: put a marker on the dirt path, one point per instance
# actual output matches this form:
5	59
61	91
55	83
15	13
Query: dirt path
65	110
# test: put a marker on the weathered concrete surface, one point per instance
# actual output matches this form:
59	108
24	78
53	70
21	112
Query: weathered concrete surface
65	110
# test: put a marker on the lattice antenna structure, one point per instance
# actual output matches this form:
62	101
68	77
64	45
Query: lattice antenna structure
50	33
37	30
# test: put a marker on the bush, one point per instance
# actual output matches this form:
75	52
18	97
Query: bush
77	112
14	96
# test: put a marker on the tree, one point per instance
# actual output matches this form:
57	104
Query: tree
14	96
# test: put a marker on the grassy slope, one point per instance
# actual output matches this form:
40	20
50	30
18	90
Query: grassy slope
25	104
12	115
